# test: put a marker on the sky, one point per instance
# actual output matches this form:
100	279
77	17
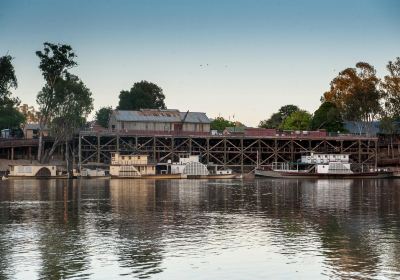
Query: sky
240	59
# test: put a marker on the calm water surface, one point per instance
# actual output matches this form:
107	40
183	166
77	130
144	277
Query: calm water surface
199	229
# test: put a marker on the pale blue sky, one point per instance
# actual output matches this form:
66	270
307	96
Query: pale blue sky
260	54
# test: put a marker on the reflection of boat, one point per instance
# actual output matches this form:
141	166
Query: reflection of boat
322	166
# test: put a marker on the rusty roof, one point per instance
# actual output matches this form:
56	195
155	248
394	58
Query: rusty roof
154	115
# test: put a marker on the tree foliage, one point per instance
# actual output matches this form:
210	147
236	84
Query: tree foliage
356	94
10	117
391	87
328	117
142	95
29	112
220	124
298	120
276	120
73	104
55	61
8	80
103	116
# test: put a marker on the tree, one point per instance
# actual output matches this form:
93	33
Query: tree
273	122
328	117
276	120
142	95
298	120
287	110
55	61
8	79
391	88
355	93
29	112
103	116
73	104
10	117
220	124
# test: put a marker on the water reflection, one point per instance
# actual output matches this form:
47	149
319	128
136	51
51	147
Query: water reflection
174	228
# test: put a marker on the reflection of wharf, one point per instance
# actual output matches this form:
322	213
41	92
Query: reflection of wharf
236	152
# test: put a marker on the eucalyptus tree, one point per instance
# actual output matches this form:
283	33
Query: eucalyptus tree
55	61
73	103
356	93
10	117
389	123
391	88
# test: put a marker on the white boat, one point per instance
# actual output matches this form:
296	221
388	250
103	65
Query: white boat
322	166
93	173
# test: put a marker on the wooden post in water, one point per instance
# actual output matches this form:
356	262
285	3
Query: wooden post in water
241	156
80	153
98	148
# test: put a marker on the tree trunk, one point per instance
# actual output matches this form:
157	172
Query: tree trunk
66	156
40	146
51	152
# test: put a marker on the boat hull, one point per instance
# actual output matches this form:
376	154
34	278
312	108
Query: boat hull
157	176
219	176
180	176
39	177
297	175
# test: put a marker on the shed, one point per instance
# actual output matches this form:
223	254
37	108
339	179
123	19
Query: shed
159	121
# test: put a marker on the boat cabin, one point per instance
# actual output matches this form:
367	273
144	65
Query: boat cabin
189	165
33	170
325	158
131	166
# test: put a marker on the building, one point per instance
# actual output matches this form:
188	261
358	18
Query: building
31	131
131	166
157	121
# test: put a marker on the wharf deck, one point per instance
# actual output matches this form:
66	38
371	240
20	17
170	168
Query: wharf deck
238	152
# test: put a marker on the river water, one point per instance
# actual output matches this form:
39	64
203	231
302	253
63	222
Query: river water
199	229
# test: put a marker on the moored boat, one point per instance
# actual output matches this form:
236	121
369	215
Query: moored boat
326	166
131	166
35	171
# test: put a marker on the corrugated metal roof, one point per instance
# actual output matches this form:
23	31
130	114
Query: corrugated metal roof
33	126
160	116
